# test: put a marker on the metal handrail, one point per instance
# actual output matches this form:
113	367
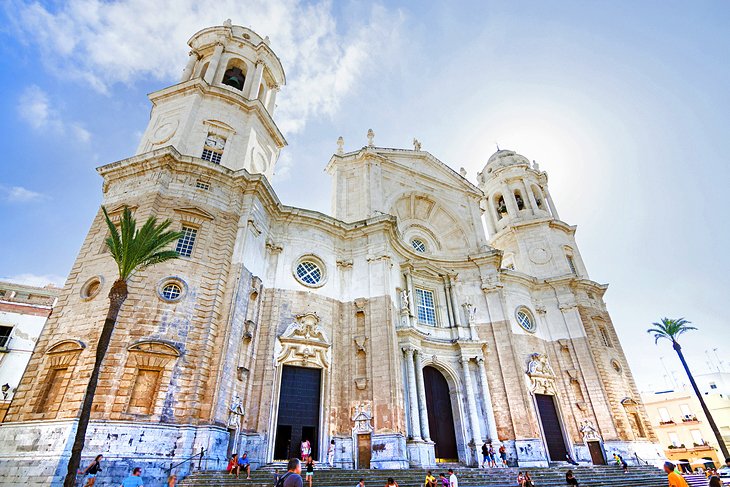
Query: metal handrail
639	459
200	461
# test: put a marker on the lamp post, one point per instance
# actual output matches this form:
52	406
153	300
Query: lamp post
5	389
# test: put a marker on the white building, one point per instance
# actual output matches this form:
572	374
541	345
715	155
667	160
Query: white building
23	312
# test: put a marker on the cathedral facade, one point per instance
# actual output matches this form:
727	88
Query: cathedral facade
396	329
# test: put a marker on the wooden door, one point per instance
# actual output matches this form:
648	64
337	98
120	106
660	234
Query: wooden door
440	415
594	447
363	451
551	427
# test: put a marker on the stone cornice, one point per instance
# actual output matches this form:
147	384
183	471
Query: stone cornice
551	222
200	86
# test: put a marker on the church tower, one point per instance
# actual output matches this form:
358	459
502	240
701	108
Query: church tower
522	219
222	109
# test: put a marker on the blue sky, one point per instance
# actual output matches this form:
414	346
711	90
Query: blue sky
625	104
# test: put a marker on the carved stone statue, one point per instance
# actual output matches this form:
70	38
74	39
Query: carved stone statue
462	171
371	138
539	365
405	298
589	431
416	144
471	312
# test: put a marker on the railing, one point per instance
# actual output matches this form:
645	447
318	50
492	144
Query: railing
199	456
640	460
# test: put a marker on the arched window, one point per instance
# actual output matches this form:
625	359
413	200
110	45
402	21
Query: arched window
204	70
500	206
518	199
604	336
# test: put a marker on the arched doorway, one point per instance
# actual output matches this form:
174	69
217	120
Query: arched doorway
440	415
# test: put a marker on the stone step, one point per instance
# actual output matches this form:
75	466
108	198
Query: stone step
593	476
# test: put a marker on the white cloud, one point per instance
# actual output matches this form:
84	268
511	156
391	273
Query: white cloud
128	40
39	280
34	107
19	194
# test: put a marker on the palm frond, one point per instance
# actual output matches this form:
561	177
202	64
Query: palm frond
670	329
133	248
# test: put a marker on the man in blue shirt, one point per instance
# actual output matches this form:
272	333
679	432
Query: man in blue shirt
245	464
134	480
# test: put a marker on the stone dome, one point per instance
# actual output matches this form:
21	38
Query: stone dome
503	158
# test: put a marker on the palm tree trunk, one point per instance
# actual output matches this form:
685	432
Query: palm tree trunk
715	430
117	296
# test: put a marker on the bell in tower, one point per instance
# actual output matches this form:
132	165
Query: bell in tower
222	110
234	77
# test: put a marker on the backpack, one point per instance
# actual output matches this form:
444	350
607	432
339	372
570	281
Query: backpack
280	482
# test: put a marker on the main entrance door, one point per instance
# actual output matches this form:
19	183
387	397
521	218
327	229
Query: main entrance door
440	416
594	447
298	417
551	427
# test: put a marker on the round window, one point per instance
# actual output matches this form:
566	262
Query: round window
309	273
418	245
171	291
91	288
525	319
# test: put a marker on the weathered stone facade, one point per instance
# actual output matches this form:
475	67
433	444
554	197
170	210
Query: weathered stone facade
401	279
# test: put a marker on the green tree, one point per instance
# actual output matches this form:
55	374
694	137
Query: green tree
132	249
671	329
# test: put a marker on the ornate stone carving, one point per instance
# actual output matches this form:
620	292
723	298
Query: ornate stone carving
405	298
340	145
304	343
541	375
273	247
471	312
371	138
589	432
360	343
363	417
235	411
416	144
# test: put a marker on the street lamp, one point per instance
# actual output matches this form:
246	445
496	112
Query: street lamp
5	388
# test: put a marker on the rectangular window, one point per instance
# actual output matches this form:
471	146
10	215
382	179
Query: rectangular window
186	242
202	184
52	396
604	337
664	415
213	148
5	332
686	411
144	392
425	307
697	437
674	439
713	385
571	264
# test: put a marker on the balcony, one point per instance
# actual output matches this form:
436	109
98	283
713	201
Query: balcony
690	419
668	422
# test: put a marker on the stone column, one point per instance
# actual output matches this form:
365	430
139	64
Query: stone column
271	101
422	397
258	74
471	402
454	305
551	204
449	306
215	60
509	200
412	396
491	423
530	197
188	71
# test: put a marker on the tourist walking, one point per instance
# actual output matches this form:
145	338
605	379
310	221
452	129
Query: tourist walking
444	480
331	454
361	483
485	454
391	482
134	480
305	449
310	470
503	455
453	481
245	464
430	480
492	457
675	480
570	478
92	470
291	478
233	467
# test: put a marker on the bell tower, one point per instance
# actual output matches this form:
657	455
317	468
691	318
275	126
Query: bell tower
222	109
522	219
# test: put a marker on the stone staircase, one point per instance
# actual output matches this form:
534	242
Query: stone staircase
588	476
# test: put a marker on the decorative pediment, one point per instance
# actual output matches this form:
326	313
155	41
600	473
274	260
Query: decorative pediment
304	343
115	212
628	402
589	432
427	269
194	214
154	346
363	418
66	346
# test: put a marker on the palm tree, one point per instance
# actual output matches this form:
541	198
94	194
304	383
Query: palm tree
132	249
671	329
